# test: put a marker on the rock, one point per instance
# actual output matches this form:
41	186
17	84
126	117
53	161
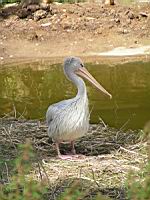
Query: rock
47	1
66	25
117	20
32	36
128	21
30	17
126	12
112	12
110	26
46	24
23	13
26	3
123	31
131	15
40	14
54	11
109	2
13	18
99	31
143	14
54	28
33	8
8	5
45	6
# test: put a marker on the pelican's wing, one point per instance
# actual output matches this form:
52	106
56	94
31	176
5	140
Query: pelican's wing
55	109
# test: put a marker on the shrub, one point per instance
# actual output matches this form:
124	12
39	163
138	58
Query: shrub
20	187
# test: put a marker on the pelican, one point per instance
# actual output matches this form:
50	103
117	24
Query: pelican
68	120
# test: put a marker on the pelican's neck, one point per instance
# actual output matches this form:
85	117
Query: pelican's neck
79	84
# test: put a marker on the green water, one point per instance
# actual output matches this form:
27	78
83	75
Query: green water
31	88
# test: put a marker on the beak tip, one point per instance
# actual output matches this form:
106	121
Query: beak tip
110	96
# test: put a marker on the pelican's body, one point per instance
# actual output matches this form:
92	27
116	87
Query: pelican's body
69	119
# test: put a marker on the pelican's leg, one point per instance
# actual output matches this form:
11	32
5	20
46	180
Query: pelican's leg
57	148
73	148
63	157
73	151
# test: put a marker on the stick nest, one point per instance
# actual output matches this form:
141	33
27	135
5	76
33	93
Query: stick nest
108	156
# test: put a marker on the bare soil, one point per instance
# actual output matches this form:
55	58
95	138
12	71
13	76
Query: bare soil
59	30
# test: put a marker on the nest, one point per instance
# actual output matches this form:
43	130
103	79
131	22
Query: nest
107	157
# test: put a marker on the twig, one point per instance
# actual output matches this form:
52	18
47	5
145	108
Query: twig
99	126
123	126
128	151
40	171
86	178
7	115
8	134
21	114
41	126
7	172
91	111
103	122
97	183
15	112
40	163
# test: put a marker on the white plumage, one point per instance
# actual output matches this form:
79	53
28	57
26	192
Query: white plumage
69	119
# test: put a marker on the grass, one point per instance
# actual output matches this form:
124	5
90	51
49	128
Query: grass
138	185
18	186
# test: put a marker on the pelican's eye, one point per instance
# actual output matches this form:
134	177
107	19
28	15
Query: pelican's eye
82	65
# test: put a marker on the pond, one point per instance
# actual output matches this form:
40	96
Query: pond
31	87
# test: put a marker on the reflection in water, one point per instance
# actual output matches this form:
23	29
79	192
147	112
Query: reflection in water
32	88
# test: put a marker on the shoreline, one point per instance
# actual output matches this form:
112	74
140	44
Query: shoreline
108	60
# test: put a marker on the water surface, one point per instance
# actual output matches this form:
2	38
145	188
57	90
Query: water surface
30	88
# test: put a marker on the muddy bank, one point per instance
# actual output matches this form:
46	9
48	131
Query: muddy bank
81	29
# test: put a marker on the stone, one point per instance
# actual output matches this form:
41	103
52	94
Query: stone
23	13
131	15
66	26
117	20
40	14
45	6
33	8
26	3
143	14
123	31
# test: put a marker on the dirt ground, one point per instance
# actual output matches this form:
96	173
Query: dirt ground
59	30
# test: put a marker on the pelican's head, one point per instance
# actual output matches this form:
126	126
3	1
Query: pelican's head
74	65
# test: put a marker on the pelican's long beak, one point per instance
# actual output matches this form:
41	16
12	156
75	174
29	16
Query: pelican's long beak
82	71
